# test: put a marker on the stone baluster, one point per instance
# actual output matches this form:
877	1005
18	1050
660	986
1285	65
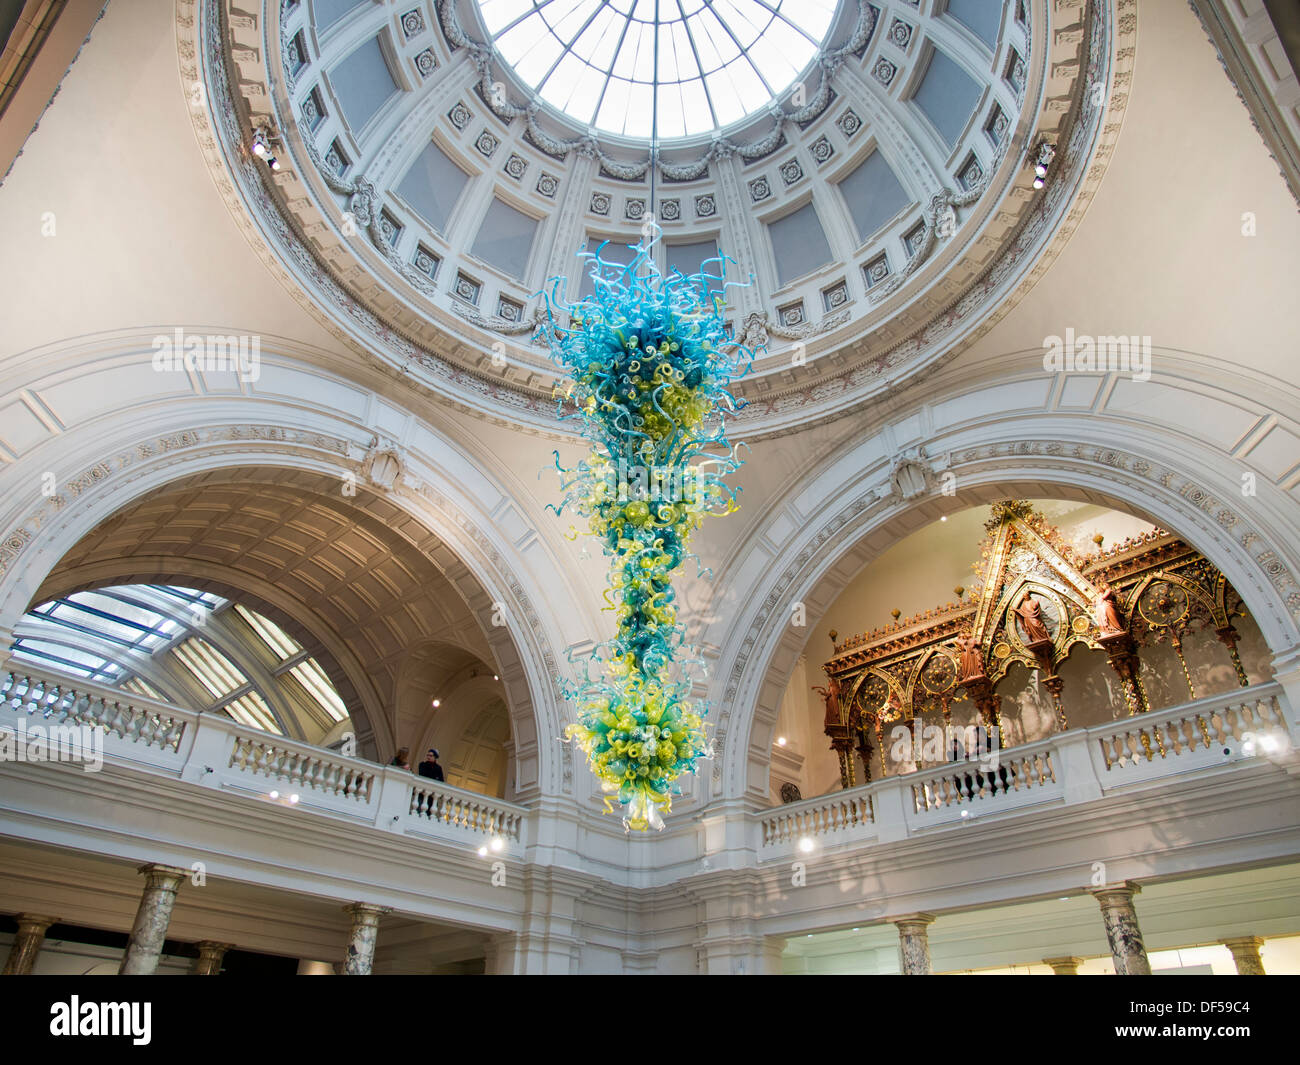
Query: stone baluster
1245	952
151	919
1122	931
27	943
364	936
211	953
1065	966
914	943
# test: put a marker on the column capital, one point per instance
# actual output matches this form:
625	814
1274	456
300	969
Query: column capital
918	920
159	874
1243	942
366	910
1068	965
211	946
34	922
1125	889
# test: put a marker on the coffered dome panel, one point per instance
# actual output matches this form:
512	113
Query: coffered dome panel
881	202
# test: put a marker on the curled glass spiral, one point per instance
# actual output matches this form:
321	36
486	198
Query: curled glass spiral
648	359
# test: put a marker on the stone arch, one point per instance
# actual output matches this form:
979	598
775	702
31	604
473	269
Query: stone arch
183	442
862	515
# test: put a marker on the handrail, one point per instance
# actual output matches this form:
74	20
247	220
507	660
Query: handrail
69	699
1029	768
219	752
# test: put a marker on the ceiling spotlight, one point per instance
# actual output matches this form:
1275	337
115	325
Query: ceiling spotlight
497	843
780	741
1043	156
259	143
806	844
437	703
274	795
274	162
482	852
293	799
495	677
943	517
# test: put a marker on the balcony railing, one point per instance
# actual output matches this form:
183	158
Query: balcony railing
210	750
1070	767
213	751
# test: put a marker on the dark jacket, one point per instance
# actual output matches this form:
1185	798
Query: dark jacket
432	770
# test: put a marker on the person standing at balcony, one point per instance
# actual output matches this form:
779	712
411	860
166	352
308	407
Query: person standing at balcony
430	767
402	759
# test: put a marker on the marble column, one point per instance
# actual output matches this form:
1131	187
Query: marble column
27	943
1067	966
365	934
1122	931
208	963
1245	952
914	943
151	919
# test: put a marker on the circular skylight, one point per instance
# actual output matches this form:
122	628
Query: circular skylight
718	60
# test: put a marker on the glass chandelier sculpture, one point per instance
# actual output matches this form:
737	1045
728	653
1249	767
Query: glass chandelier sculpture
648	359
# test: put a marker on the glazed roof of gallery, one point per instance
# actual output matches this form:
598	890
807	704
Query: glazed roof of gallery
873	184
184	646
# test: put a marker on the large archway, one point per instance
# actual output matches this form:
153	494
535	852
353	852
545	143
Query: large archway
873	496
398	495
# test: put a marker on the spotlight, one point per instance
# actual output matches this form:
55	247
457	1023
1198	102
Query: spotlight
495	677
482	852
1043	156
497	843
437	703
274	795
293	799
1269	744
780	741
943	517
806	845
262	148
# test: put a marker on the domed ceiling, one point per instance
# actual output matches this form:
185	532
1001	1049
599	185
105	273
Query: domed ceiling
869	165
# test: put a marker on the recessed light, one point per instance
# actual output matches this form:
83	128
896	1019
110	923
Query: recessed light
437	703
780	741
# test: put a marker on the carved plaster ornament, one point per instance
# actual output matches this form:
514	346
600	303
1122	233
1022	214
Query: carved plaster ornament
383	464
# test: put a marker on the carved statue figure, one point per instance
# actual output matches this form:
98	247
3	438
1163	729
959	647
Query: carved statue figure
1108	619
1030	612
972	658
831	693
